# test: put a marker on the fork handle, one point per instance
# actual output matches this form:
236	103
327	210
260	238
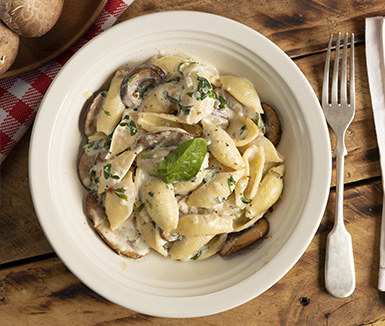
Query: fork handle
339	262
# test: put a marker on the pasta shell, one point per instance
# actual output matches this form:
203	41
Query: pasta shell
213	246
120	201
154	122
255	157
222	146
268	192
204	224
151	234
112	171
189	247
161	203
216	190
243	130
124	134
113	106
271	153
243	91
170	64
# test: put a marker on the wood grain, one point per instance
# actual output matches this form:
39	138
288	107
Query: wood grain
46	293
299	27
20	232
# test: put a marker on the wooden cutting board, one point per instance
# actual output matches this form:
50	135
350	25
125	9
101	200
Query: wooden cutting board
77	17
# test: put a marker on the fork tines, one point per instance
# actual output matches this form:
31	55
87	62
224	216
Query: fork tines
342	92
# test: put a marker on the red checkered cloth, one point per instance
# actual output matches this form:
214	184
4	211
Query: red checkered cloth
20	96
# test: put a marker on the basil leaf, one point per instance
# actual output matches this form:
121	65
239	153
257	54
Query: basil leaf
184	162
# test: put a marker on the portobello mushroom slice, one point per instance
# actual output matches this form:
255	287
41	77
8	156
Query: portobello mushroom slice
272	124
93	112
85	163
237	241
163	138
124	240
138	82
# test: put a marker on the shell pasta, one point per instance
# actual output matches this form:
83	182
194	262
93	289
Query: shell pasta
176	160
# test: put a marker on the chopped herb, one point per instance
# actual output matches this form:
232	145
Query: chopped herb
244	199
106	112
151	194
104	94
107	142
222	102
220	200
182	63
276	174
170	98
140	207
210	173
108	173
197	255
185	109
176	79
166	247
205	90
130	126
131	79
243	128
148	203
94	177
120	193
259	122
147	156
231	182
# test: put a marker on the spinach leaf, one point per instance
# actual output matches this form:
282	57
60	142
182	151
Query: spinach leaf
184	162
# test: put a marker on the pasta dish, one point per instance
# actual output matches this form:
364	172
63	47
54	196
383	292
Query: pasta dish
179	160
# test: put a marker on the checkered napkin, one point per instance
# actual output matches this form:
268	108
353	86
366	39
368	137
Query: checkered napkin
20	96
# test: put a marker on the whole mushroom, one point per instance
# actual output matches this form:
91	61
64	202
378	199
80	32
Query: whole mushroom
30	18
9	46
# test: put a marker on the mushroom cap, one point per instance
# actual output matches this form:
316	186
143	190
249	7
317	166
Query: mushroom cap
30	18
237	241
272	124
139	81
9	47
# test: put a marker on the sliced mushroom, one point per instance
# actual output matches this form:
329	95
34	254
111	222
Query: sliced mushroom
118	239
237	241
163	138
138	82
85	163
218	118
92	113
272	124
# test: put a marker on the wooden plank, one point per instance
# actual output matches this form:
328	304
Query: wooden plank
298	27
46	293
20	232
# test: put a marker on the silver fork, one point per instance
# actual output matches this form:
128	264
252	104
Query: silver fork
339	113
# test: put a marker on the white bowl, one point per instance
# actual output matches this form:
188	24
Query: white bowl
155	285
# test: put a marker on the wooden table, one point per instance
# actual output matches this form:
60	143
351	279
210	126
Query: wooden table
37	289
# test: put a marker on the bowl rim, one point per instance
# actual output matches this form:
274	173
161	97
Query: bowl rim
206	301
